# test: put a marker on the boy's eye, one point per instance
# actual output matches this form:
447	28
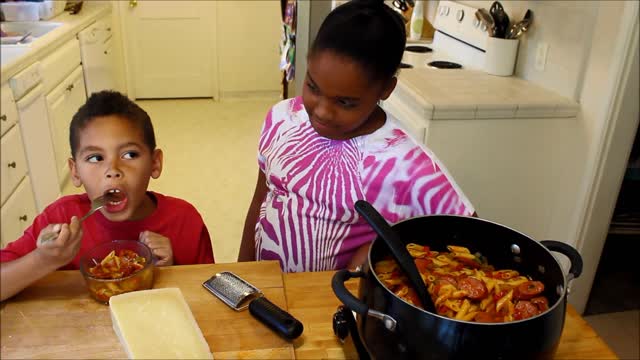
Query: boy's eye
94	158
130	155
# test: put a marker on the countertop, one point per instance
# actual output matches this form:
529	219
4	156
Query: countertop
71	25
473	94
55	317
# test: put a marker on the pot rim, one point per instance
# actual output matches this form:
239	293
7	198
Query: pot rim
561	298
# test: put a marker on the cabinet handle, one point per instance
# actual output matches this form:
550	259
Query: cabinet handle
12	164
23	218
70	87
3	117
133	3
105	52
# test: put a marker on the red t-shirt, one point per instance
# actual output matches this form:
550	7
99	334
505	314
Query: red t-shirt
174	218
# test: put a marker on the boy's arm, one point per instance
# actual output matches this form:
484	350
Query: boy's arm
248	246
45	258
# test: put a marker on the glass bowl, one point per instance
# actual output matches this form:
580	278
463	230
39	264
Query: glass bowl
119	280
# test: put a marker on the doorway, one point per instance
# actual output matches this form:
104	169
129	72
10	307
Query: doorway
616	273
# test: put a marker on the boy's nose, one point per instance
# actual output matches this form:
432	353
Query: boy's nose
113	172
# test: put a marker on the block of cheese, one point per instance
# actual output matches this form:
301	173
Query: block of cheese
157	324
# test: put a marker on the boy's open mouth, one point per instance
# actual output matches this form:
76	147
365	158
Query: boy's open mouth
116	200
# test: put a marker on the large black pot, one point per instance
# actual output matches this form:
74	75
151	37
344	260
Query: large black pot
393	328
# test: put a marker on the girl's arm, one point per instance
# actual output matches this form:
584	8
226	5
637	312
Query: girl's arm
45	258
248	246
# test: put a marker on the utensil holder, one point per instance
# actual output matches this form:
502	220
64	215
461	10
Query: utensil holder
500	58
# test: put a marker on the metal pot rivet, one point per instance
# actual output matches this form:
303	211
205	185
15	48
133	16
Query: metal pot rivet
541	269
517	259
515	249
559	290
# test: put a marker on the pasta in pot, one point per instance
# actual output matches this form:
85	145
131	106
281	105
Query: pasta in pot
464	286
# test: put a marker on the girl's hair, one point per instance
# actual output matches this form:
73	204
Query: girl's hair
367	31
105	103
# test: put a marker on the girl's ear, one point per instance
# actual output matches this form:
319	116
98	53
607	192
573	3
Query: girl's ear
156	163
75	179
388	88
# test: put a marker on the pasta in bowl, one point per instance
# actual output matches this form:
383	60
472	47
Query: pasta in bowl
117	267
464	286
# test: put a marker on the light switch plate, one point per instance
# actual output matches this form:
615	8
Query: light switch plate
541	56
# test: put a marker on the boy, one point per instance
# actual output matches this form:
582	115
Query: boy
113	149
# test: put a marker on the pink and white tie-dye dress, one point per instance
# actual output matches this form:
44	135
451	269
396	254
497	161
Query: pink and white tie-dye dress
307	220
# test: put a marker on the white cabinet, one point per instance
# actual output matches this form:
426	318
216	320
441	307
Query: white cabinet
62	103
18	204
18	212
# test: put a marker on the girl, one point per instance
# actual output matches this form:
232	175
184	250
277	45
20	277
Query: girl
320	153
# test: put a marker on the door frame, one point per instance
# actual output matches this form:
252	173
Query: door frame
604	177
122	7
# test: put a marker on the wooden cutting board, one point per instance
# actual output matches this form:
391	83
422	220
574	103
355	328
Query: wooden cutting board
56	318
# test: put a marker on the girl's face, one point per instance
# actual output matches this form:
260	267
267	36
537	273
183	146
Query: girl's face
341	98
112	155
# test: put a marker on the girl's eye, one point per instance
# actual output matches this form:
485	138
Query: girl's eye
130	155
312	87
94	158
347	104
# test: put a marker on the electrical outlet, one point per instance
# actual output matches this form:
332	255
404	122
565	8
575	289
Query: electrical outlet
541	56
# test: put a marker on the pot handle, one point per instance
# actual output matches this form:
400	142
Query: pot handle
569	251
344	295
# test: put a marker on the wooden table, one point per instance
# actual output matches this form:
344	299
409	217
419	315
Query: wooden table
55	318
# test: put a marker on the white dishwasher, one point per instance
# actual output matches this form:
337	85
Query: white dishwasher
96	49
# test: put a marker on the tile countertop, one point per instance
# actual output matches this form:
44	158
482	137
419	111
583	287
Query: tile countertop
472	94
71	25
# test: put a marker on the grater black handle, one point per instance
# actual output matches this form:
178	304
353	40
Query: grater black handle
274	317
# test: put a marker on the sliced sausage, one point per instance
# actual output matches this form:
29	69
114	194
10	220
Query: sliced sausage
475	288
529	289
524	309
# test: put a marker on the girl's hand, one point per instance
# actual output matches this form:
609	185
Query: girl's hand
61	250
160	246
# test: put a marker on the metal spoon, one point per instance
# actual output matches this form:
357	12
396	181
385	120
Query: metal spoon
23	38
519	28
96	204
398	250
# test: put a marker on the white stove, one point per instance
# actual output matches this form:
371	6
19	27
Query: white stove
507	142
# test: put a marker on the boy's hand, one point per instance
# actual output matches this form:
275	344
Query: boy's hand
61	250
160	246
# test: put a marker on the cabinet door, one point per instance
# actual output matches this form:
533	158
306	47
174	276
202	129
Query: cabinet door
8	110
62	104
13	163
18	212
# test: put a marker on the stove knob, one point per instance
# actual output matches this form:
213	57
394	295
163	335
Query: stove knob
460	15
476	23
446	10
442	10
484	27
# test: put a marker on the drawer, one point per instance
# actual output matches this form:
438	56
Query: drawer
17	213
8	110
59	64
13	161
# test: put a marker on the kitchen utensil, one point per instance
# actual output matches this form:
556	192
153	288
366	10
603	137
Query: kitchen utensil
486	18
420	334
500	18
398	250
240	294
96	204
519	28
24	38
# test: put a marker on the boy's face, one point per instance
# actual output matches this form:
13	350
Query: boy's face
340	97
112	155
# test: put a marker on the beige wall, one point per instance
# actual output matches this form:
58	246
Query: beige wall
248	35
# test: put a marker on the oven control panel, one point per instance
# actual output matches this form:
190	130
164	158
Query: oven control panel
459	21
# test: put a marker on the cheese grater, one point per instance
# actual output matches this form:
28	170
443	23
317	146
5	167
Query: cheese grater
232	290
239	294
